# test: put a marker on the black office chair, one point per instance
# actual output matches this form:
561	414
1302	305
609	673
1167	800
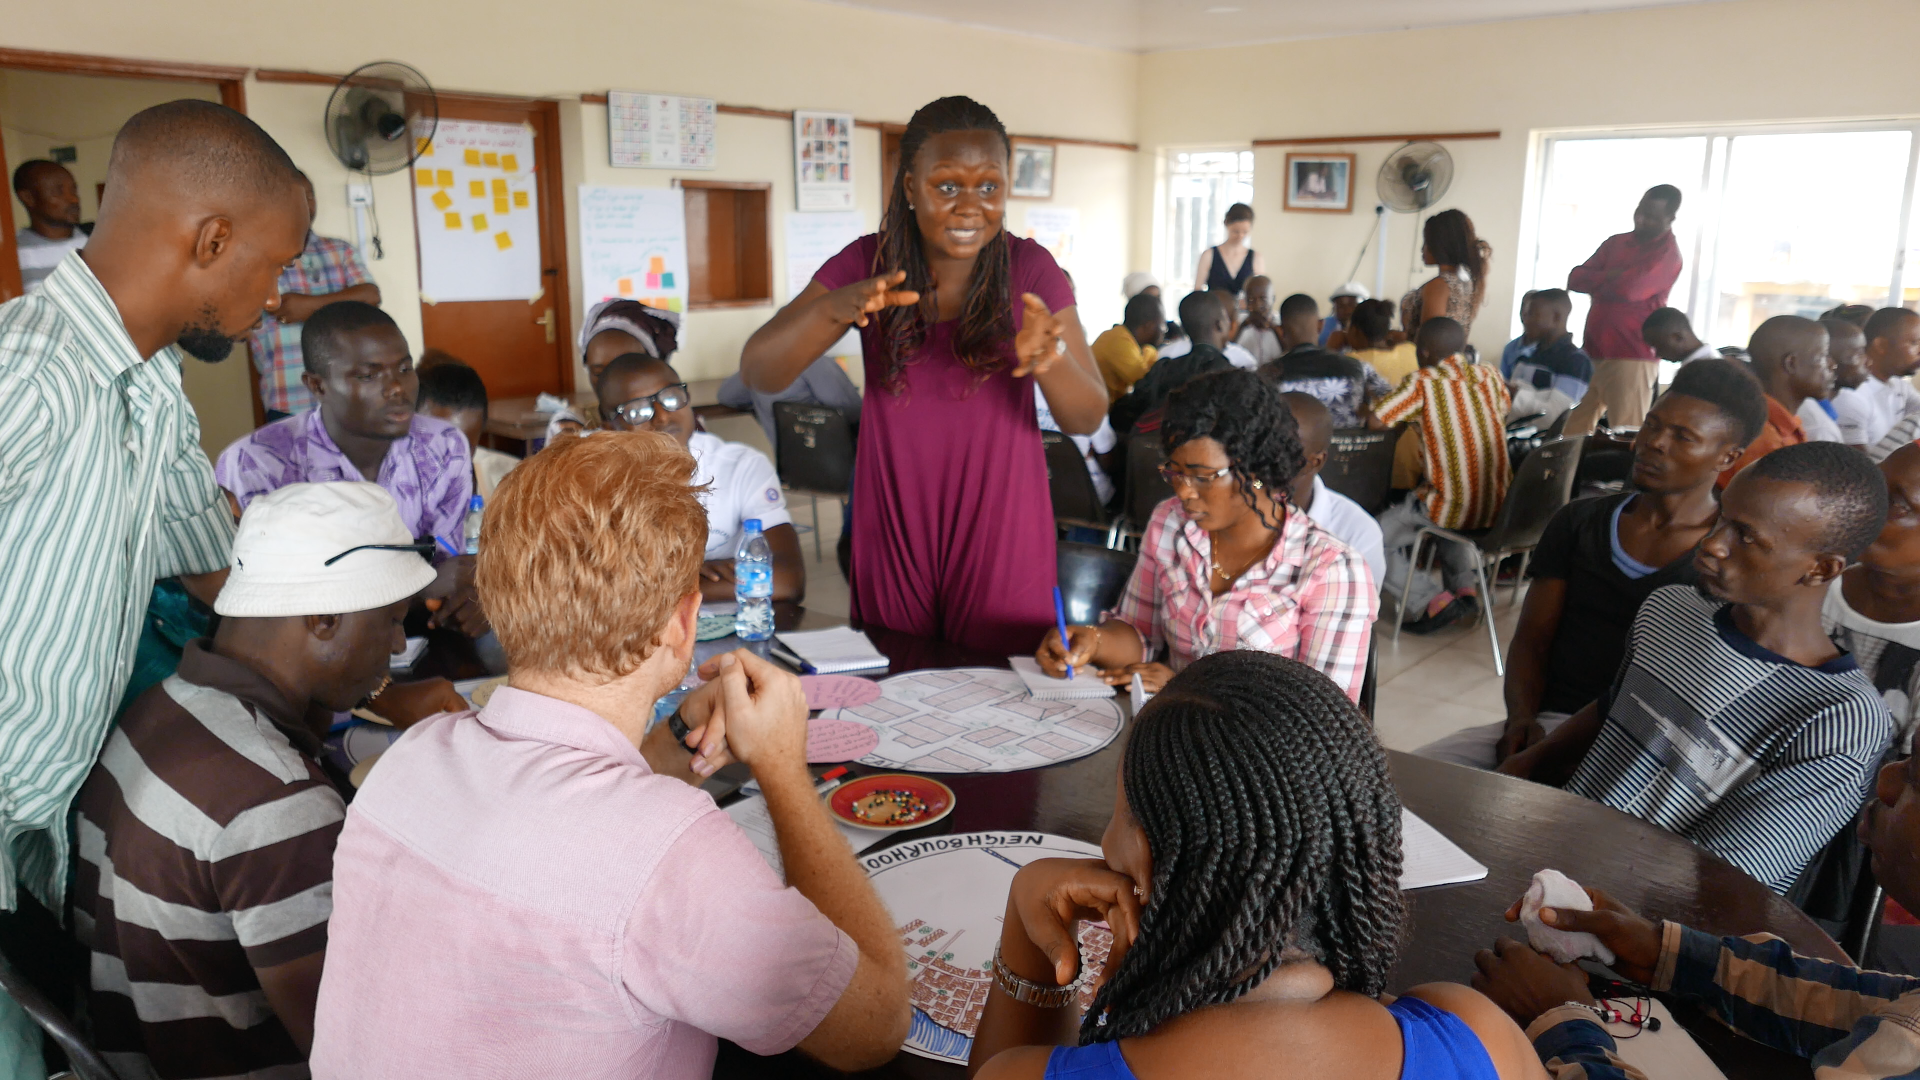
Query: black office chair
1091	579
813	453
1075	502
1360	466
82	1060
1539	489
1146	488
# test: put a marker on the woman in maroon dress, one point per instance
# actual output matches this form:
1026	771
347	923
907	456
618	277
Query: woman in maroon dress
953	533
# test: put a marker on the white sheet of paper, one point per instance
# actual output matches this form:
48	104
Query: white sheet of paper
633	245
752	816
1667	1052
1430	858
812	239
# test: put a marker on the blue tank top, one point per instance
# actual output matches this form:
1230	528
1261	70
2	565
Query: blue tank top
1218	278
1439	1046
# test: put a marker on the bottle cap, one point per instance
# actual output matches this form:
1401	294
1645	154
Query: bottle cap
476	503
751	524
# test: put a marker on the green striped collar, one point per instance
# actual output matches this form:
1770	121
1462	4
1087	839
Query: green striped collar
76	292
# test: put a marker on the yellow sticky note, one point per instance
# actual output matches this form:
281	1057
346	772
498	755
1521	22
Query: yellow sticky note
499	185
499	204
502	241
626	286
443	178
520	199
509	162
422	146
442	201
490	158
473	156
477	188
454	221
479	223
423	177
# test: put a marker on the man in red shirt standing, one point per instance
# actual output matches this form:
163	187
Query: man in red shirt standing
1628	279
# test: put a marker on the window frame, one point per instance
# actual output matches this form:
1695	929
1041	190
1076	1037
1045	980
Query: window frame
1705	280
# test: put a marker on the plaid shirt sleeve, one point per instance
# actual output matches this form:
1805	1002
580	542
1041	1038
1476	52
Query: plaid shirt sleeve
1404	403
1338	602
1140	605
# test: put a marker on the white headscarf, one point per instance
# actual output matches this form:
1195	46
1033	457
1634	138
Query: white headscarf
598	319
1137	282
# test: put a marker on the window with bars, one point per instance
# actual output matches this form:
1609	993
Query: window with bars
1201	184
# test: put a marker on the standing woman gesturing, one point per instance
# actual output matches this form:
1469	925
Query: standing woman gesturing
953	533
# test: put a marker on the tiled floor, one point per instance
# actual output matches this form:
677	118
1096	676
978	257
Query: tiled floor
1429	686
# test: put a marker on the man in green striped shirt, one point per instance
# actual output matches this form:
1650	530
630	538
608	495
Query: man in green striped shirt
103	486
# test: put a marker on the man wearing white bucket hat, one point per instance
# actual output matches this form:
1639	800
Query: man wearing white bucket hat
1344	299
206	831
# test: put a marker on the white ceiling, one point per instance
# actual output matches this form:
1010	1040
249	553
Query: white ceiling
1157	25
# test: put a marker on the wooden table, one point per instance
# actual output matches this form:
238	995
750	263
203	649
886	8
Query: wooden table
1512	826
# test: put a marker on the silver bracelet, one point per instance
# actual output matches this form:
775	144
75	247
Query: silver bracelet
1028	992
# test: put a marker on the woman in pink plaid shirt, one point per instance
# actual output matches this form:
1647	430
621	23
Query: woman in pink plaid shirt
1228	563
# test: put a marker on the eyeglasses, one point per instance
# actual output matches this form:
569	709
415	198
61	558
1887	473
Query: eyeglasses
418	549
640	410
1174	476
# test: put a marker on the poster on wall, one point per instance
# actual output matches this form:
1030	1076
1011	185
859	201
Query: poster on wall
822	161
476	210
633	246
1053	228
659	131
812	239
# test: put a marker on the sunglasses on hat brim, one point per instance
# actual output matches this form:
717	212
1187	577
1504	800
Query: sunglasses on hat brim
421	549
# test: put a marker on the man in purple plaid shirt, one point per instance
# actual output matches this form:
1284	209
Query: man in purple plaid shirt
326	272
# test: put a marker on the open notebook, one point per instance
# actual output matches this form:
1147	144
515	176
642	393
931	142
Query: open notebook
829	652
1047	688
1428	858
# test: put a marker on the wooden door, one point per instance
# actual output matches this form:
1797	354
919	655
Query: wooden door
519	348
10	281
889	161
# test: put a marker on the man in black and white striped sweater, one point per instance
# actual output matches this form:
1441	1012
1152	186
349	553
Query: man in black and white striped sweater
1734	721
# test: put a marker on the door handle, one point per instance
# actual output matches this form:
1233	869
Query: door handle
546	320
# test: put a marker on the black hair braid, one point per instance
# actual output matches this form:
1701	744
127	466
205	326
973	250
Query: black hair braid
1273	827
1249	417
983	339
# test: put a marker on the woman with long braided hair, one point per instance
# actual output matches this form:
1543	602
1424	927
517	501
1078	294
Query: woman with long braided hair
1250	874
1229	562
953	533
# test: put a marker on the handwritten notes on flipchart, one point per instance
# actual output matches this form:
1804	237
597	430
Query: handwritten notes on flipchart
633	245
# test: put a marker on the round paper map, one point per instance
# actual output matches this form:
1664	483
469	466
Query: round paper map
948	896
963	720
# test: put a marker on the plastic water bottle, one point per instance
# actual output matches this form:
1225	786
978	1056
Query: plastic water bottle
472	529
753	585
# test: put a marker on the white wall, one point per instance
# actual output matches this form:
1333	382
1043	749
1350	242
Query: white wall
777	54
1750	61
40	110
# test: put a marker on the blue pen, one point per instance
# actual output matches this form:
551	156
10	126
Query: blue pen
1060	613
455	552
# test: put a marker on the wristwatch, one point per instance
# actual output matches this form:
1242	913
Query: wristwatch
678	726
1028	992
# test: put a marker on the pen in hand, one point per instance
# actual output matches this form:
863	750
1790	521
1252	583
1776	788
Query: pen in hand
1060	615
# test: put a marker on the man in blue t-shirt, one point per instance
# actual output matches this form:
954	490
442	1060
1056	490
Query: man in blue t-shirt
1734	720
1599	558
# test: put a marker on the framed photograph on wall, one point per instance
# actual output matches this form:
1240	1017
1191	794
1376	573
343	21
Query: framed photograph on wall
1320	183
1032	171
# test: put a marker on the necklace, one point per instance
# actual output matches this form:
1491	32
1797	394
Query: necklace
1265	549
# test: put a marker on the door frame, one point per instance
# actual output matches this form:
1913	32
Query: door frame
552	206
231	82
